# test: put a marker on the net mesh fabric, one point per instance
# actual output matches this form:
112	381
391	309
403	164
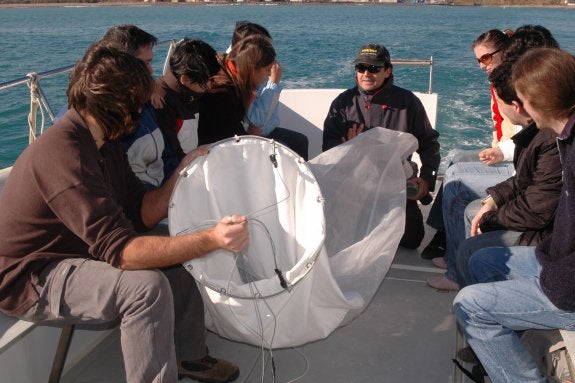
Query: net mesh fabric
331	226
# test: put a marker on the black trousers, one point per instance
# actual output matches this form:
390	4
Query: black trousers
414	229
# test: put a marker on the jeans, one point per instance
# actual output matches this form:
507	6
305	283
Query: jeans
491	314
470	212
457	267
500	238
462	166
435	217
463	183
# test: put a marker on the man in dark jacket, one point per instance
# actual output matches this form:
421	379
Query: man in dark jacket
521	288
521	209
376	102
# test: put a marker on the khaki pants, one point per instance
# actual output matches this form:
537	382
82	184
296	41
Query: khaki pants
148	304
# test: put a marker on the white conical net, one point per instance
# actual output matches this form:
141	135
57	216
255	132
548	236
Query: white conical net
322	234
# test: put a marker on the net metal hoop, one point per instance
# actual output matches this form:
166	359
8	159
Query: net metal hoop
285	216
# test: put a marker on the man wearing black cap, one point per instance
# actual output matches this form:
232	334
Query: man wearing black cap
376	102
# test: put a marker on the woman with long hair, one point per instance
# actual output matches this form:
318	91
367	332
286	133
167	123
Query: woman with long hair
224	106
488	49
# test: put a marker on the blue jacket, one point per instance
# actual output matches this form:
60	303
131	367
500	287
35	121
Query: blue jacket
263	111
144	148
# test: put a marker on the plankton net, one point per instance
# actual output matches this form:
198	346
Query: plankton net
323	234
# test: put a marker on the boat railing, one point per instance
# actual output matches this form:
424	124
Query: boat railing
39	101
419	63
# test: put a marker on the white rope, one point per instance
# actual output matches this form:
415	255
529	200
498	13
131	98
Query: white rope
35	105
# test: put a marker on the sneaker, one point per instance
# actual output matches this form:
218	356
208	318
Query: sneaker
436	247
209	370
441	282
440	263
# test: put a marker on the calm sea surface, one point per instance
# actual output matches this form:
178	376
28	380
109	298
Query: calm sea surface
316	44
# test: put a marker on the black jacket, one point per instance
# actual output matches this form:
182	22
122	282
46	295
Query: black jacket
391	107
527	201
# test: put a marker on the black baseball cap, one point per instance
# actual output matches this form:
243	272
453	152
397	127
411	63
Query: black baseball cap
373	54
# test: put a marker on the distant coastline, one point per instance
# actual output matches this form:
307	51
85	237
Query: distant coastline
96	3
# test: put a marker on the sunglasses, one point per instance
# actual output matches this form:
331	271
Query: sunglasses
361	68
487	58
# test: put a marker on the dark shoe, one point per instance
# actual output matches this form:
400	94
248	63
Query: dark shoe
209	370
435	248
467	355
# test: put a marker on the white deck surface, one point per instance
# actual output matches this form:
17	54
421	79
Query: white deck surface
406	334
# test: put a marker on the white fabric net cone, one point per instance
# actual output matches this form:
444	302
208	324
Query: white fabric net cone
322	234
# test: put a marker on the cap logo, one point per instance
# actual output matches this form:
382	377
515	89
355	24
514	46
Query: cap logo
368	51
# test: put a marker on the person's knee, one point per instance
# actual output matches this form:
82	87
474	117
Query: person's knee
450	172
146	288
473	305
463	303
488	265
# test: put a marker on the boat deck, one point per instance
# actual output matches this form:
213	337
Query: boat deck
406	334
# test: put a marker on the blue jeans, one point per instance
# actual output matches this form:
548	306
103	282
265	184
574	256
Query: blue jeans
492	313
501	238
457	267
463	183
435	217
466	168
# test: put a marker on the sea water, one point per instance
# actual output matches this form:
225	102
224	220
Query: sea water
315	43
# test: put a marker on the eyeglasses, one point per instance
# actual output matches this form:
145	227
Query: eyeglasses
487	58
361	68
